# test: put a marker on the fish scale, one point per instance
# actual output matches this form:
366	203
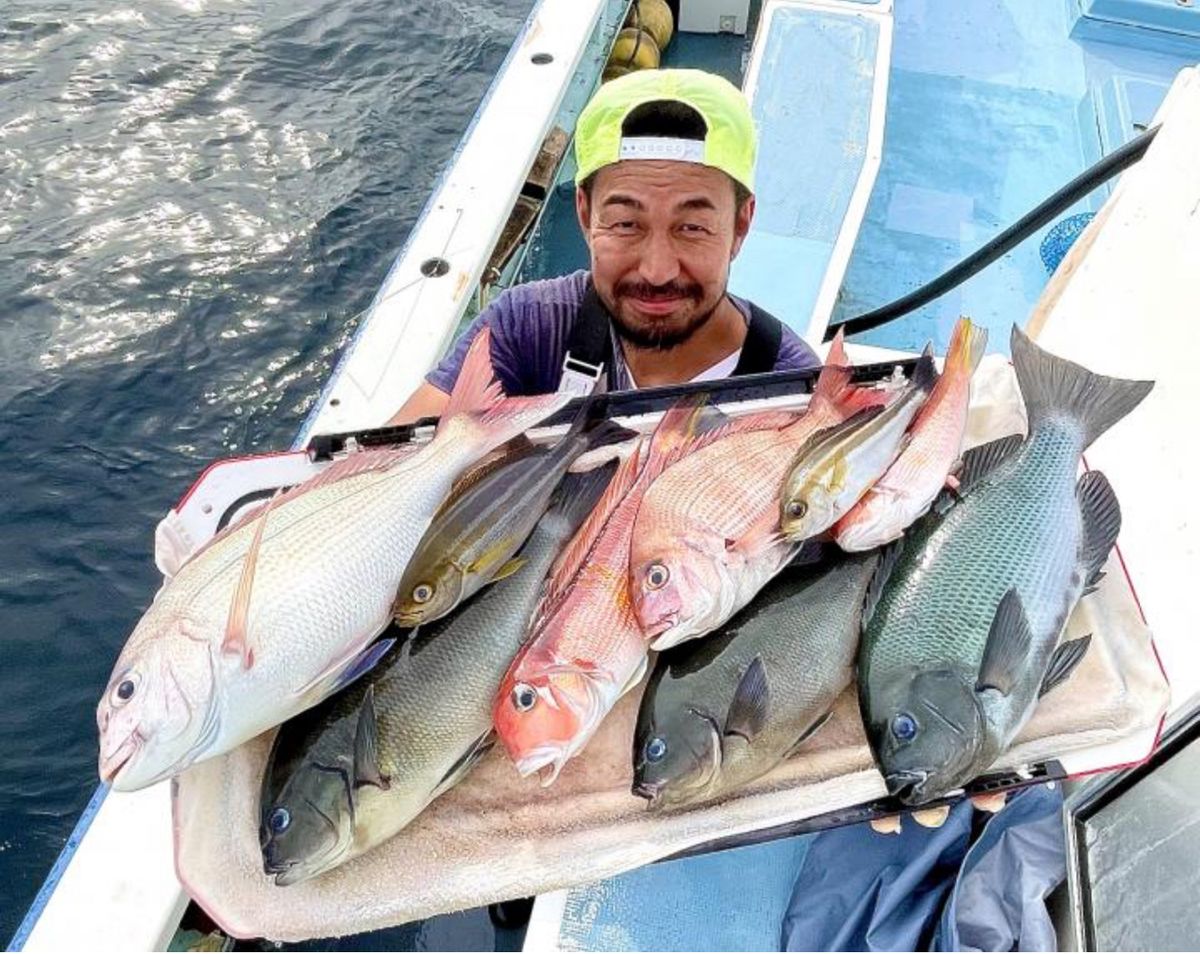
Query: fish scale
810	615
966	625
431	704
710	520
1021	529
248	634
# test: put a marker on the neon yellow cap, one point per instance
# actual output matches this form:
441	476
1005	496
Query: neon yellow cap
729	144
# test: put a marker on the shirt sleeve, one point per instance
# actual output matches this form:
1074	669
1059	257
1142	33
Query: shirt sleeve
795	354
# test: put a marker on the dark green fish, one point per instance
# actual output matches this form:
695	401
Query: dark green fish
965	633
474	537
721	711
350	773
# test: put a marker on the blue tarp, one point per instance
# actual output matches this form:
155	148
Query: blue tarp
950	888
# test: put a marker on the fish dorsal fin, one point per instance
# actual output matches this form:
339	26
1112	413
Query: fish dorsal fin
1008	644
751	703
829	435
366	746
727	427
980	461
677	433
515	450
476	388
1101	516
1069	655
889	557
568	564
464	763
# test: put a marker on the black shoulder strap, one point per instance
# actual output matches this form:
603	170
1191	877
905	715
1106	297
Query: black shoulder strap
589	342
760	350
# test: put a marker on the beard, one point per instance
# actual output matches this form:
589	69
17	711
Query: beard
666	332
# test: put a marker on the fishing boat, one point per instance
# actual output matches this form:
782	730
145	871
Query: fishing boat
896	139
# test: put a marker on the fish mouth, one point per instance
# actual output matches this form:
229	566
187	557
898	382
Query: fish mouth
112	765
547	760
907	786
291	872
651	791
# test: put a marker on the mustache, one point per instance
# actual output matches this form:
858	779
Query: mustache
646	291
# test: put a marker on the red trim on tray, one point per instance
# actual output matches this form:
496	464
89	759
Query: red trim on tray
230	460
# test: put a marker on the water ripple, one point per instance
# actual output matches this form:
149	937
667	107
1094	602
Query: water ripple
198	197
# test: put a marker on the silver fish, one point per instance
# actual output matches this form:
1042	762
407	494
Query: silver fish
350	773
280	611
836	467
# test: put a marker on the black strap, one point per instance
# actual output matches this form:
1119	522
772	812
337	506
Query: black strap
590	340
760	350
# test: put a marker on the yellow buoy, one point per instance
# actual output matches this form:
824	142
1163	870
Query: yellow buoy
655	16
634	49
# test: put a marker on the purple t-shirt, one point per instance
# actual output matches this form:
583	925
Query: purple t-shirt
531	325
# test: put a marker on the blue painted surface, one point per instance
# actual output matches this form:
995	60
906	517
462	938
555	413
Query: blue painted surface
729	901
1170	16
991	108
812	104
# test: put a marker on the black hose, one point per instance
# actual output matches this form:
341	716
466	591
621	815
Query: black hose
1116	161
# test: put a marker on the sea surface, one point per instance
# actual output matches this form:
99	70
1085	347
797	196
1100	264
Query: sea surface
197	197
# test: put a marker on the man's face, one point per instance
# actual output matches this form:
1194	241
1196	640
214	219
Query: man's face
662	235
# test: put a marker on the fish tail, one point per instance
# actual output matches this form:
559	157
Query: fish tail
576	497
479	412
967	344
675	433
476	388
593	425
834	390
1054	387
924	374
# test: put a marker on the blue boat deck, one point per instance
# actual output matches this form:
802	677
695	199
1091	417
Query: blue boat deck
992	106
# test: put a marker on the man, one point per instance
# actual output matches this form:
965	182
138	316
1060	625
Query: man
664	195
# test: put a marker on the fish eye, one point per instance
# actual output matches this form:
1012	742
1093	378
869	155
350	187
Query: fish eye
523	697
656	748
796	509
904	726
125	690
422	593
279	820
657	576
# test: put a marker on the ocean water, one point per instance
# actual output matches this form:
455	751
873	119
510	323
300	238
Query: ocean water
196	199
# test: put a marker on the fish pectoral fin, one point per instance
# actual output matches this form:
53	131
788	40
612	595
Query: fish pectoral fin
237	635
763	534
344	670
1101	516
809	733
637	676
889	556
467	761
1008	644
508	568
1063	662
751	703
366	746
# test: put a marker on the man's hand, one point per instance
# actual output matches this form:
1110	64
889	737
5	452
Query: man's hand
936	817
